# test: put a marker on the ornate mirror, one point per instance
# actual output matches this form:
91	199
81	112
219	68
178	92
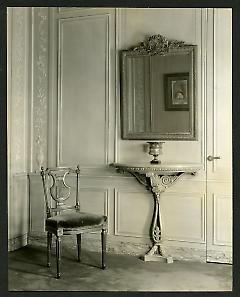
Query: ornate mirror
158	86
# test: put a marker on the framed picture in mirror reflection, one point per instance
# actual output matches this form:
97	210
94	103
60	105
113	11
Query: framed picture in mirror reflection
176	89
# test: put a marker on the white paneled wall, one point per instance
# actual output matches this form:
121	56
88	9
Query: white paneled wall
76	120
17	113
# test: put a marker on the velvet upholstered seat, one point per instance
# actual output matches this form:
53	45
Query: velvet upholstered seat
74	219
59	185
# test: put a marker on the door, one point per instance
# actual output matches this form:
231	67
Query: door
219	137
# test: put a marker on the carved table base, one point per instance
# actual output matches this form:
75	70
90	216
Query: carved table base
157	184
157	179
153	256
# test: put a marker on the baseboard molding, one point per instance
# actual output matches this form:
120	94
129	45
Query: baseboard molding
17	242
219	256
92	242
184	253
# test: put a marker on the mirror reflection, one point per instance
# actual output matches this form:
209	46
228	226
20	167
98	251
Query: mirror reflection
158	91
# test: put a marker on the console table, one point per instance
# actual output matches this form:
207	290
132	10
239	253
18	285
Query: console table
157	178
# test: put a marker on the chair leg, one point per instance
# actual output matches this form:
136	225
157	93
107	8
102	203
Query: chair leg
104	239
49	245
58	254
79	239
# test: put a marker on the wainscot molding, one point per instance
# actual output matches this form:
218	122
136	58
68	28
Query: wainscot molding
17	242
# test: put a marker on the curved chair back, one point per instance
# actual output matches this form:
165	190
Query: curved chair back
56	188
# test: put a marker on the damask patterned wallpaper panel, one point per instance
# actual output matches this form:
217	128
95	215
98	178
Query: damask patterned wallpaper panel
39	98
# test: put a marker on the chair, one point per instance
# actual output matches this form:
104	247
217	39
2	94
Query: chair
63	219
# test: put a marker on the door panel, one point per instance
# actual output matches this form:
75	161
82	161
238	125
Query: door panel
219	139
219	222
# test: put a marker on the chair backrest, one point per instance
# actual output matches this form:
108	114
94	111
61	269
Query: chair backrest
56	188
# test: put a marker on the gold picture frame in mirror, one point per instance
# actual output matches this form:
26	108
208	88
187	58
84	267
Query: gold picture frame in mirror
158	90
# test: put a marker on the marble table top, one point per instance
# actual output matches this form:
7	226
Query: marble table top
162	168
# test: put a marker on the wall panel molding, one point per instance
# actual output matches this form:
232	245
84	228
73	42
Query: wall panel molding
103	19
170	203
105	193
177	219
125	215
222	205
117	86
202	26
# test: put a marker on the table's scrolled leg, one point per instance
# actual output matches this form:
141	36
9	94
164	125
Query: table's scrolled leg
158	185
155	253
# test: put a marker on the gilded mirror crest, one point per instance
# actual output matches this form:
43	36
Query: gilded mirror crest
157	45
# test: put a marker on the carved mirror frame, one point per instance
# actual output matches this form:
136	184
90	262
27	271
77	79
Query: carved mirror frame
158	45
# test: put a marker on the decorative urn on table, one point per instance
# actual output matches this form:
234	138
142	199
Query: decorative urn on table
155	148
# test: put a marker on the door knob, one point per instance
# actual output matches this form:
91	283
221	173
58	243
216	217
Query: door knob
211	158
